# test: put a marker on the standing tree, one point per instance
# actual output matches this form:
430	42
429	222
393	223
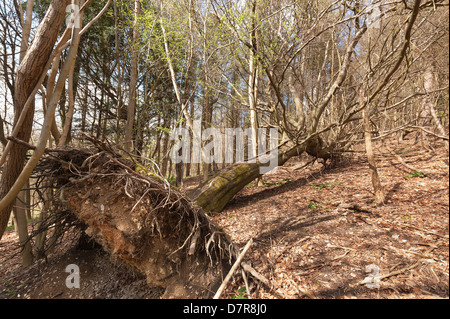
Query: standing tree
133	78
28	74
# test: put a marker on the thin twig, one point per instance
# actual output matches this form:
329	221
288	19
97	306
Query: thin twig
233	269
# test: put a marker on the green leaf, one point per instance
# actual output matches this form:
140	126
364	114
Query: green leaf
416	174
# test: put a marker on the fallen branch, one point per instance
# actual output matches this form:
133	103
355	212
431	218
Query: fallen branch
421	229
398	272
301	166
233	269
255	274
357	207
426	231
445	138
400	159
246	284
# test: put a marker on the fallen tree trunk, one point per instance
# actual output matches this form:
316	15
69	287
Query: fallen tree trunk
141	221
213	194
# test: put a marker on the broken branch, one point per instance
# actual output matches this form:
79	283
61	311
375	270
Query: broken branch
233	269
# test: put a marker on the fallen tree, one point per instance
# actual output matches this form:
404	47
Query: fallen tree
309	134
144	222
213	194
140	220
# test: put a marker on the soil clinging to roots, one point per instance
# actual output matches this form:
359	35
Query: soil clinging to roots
139	219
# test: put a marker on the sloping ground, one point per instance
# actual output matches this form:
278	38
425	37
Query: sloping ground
315	231
139	220
100	277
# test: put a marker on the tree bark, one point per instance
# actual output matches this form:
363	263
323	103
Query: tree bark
216	192
207	110
297	96
28	74
3	140
377	187
21	203
26	29
50	87
133	79
428	83
21	224
68	121
253	80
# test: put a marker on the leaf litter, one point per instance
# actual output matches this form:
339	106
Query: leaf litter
315	234
314	231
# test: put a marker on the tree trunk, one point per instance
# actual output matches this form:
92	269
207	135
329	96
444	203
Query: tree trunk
183	103
2	134
133	79
21	224
21	208
28	74
206	123
26	29
69	115
165	156
50	87
120	73
377	187
40	241
213	194
428	83
298	100
253	80
84	106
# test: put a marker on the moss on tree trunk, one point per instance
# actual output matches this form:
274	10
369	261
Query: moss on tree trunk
213	194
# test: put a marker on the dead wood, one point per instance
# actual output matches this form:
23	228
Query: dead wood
246	267
215	193
139	219
233	269
411	168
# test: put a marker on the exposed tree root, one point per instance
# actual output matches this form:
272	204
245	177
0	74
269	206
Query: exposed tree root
140	220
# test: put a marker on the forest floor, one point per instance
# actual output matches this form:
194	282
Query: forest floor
315	231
